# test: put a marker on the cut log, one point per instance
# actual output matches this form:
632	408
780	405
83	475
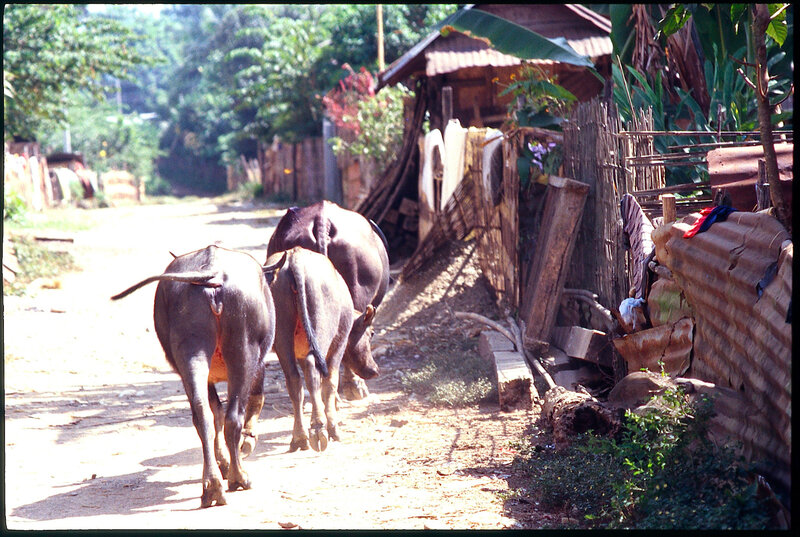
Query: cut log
491	341
583	344
561	216
514	381
572	413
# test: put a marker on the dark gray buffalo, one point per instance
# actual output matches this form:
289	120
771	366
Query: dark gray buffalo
215	318
316	327
357	249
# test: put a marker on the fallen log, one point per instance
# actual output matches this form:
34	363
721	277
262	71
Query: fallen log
572	413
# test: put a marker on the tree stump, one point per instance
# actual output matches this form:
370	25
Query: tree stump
573	413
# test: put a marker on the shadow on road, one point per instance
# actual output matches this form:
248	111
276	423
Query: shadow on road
134	491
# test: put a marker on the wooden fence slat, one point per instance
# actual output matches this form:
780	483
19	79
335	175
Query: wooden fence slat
563	208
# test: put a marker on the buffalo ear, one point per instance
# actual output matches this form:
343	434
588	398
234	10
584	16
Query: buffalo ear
369	315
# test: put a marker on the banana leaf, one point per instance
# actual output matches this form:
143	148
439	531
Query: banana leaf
511	38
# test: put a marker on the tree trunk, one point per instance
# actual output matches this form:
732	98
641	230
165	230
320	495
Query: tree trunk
761	19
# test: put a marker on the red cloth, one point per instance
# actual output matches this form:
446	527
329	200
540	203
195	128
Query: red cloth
692	231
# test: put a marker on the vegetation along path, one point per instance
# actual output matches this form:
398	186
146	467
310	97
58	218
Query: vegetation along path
98	432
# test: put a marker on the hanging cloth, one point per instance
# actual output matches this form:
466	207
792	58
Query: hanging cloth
455	140
708	216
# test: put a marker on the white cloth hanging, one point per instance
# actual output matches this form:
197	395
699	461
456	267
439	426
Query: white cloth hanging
493	142
433	141
455	138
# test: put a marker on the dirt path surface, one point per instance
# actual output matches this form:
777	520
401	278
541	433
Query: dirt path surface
98	431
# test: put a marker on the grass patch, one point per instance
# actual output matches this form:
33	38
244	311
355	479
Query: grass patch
36	261
662	472
453	375
64	219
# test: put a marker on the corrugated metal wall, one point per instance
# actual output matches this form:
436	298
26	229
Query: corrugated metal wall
742	341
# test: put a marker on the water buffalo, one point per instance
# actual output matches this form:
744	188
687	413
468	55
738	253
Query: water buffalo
355	246
316	327
215	319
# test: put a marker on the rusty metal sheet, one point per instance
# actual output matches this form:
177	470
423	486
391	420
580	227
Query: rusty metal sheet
742	342
586	32
670	344
736	170
459	51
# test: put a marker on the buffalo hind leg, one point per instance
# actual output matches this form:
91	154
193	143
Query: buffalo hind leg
254	405
195	382
238	394
294	385
219	422
329	385
315	435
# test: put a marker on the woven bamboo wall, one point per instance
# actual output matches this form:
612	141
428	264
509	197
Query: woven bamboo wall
593	154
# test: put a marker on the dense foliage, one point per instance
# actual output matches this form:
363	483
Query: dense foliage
198	84
716	97
662	472
51	52
370	125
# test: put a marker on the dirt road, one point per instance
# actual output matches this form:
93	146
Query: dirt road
98	432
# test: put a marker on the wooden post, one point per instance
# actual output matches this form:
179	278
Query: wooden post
447	106
381	64
668	208
763	199
561	216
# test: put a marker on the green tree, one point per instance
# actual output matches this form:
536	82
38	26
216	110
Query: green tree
51	50
766	23
282	80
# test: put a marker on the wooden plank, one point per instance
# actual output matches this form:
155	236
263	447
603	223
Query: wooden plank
582	343
563	208
515	385
490	341
408	207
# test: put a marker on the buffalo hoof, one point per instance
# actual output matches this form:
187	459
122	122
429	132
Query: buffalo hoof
242	483
212	493
298	443
333	433
318	440
248	443
354	389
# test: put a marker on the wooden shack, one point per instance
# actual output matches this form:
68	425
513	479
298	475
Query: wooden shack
460	77
477	73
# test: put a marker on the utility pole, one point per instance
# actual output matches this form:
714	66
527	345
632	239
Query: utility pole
380	37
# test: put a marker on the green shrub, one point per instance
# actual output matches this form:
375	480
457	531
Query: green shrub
157	186
453	376
251	190
14	207
36	261
661	472
280	198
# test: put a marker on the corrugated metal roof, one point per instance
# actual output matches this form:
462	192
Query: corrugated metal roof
460	52
741	341
736	170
